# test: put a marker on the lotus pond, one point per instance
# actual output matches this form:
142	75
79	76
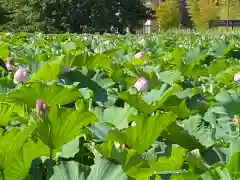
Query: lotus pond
139	107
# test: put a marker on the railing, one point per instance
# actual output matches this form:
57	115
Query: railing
224	23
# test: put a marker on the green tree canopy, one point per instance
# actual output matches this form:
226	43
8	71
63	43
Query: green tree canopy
74	15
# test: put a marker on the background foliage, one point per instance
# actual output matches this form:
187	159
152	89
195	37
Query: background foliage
199	11
168	14
78	16
202	11
233	9
72	16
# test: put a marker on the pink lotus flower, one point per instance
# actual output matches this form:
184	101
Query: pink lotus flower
42	108
139	55
21	75
65	69
141	84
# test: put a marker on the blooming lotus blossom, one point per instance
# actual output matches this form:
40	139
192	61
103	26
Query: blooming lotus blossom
141	84
42	108
21	75
65	69
237	77
139	55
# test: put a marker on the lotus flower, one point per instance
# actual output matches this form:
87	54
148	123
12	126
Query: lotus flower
10	64
21	75
42	108
237	77
139	55
141	84
65	69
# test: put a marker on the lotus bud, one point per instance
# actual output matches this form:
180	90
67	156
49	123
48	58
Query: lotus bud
141	84
65	69
139	55
10	63
237	77
42	108
21	75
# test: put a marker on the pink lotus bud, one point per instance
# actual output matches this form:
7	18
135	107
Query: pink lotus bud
139	55
21	75
65	69
141	84
8	66
42	108
10	63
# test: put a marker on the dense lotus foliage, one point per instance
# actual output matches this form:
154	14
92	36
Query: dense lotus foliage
138	107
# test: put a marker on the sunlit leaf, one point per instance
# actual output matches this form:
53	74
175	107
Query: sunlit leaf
52	93
64	125
146	131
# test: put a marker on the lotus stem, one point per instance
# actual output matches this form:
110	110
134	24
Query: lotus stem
2	174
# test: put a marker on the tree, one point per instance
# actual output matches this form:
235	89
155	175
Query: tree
3	16
79	16
18	16
202	11
229	9
168	14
